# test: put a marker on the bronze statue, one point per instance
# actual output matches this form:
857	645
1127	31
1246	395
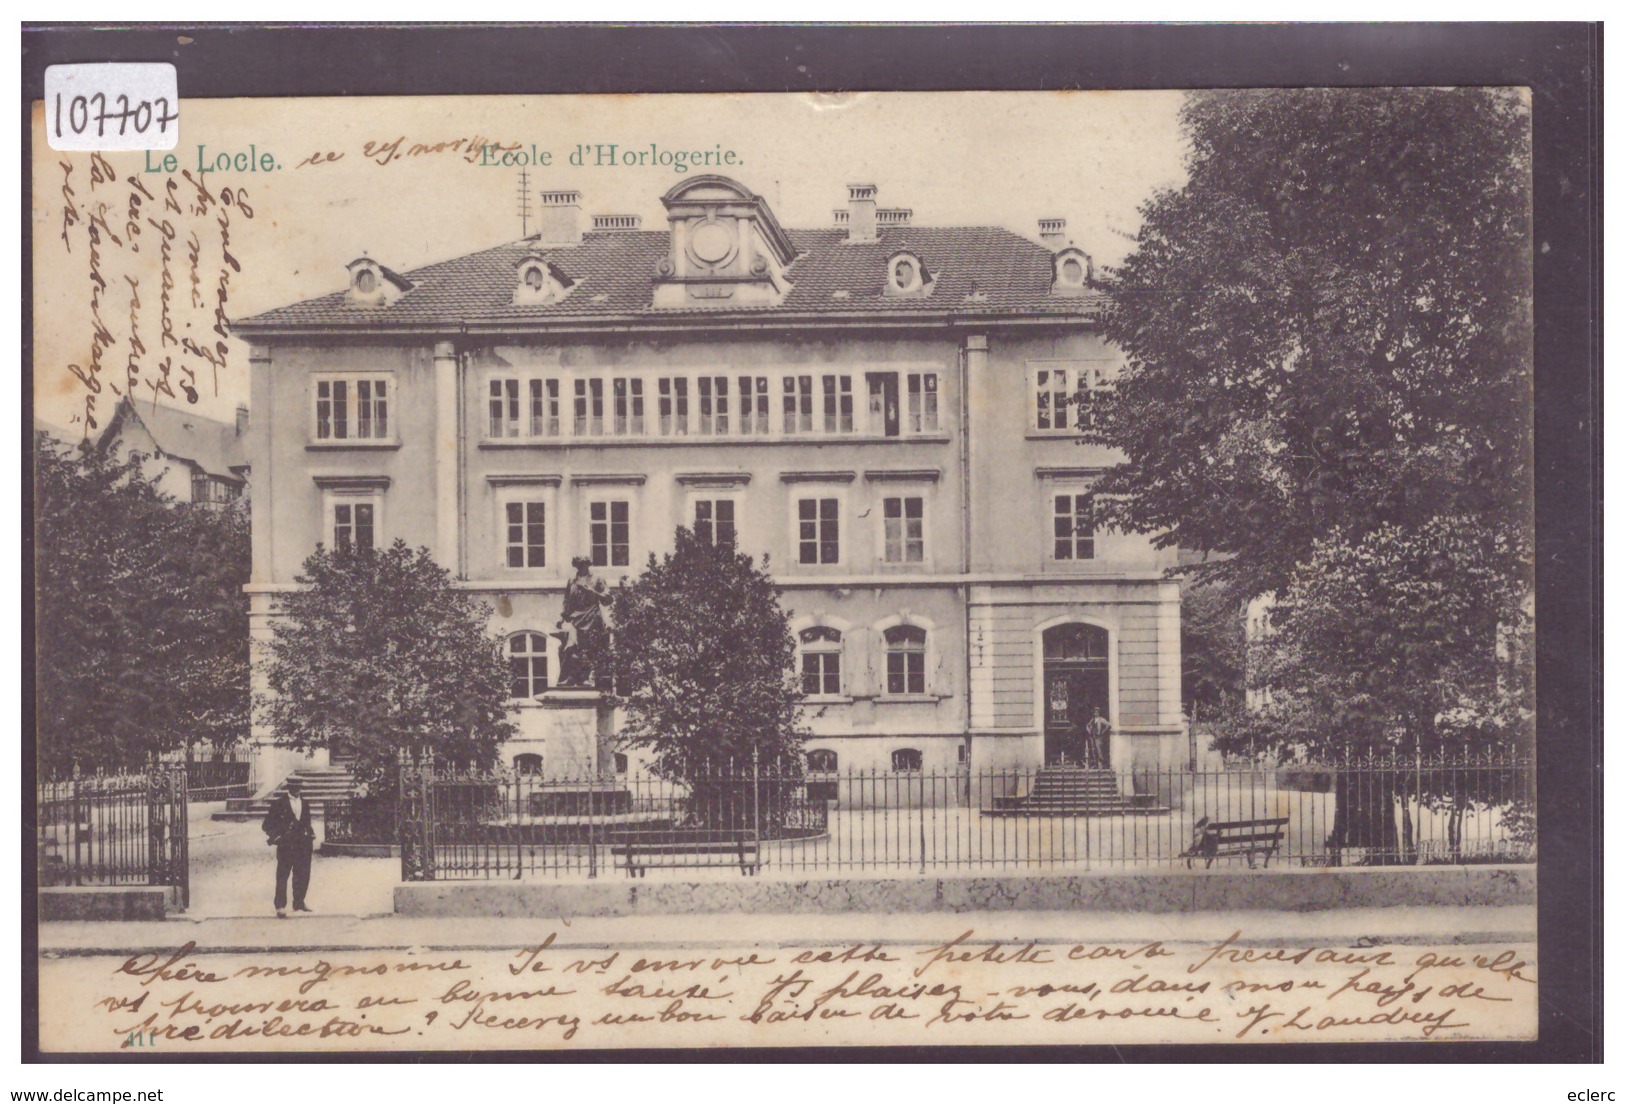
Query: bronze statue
583	634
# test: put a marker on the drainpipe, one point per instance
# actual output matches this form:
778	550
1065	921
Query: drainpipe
447	467
977	343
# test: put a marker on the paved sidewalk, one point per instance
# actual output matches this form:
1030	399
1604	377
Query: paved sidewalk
1372	926
233	874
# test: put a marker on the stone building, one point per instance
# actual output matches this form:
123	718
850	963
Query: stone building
192	458
875	404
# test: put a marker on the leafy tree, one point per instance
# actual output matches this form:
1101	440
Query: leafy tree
704	665
378	653
1213	648
1327	334
141	628
1327	328
1407	644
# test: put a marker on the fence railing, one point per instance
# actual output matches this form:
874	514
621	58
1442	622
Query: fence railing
214	773
115	830
501	825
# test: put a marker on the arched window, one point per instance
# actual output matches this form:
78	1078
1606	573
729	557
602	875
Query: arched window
822	761
620	762
1076	642
527	765
907	759
905	660
527	664
820	661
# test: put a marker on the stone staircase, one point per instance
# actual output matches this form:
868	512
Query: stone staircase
1066	790
320	785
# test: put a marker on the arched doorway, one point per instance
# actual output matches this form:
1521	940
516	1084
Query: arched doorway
1077	685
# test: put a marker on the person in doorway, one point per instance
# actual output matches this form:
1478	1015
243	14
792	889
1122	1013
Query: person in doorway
288	829
1098	729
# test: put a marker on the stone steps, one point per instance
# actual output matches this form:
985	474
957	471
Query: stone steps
1074	791
320	785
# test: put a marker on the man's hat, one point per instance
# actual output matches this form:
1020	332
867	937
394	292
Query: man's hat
581	561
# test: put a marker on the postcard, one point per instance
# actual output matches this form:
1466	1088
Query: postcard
549	572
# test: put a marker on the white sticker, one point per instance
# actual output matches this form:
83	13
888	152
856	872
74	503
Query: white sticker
112	106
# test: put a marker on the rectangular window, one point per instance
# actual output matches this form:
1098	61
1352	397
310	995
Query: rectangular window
821	673
819	530
905	671
352	525
527	534
713	404
589	408
714	520
544	408
922	402
905	529
504	406
1091	382
611	533
673	406
1051	398
837	404
627	396
1074	528
753	404
883	414
349	410
798	404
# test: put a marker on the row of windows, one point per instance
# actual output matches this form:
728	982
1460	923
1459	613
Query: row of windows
821	649
712	404
819	761
818	528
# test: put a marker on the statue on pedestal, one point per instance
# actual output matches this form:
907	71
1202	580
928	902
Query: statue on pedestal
583	634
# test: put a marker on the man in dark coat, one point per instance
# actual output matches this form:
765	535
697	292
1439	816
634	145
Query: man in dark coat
288	829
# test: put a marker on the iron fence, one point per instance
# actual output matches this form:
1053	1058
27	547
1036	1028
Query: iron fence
360	821
214	773
115	830
501	825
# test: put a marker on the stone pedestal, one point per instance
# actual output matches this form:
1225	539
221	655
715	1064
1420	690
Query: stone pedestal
579	729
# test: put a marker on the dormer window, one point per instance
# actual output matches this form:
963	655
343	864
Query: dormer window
373	285
1073	272
906	274
540	282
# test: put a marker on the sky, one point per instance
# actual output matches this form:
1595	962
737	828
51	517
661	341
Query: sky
960	158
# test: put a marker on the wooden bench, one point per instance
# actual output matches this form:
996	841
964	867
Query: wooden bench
1238	837
640	850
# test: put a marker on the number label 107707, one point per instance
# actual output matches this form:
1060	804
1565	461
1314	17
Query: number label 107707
112	106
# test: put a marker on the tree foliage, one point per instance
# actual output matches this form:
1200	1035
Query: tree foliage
1407	641
1213	649
705	664
141	629
1327	335
378	653
1327	328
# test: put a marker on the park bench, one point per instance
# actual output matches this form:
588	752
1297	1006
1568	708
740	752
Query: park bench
1238	837
642	849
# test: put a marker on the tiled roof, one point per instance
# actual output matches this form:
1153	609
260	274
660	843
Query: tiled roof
977	270
212	445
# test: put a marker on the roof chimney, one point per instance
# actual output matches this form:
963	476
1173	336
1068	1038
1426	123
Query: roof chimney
617	222
1052	232
560	222
860	222
242	419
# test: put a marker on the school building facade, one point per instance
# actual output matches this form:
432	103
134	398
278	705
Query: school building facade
875	405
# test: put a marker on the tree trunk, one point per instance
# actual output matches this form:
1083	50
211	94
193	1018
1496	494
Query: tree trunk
1365	816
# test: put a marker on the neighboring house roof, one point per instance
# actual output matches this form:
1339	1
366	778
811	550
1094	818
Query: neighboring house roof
208	445
978	270
65	436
